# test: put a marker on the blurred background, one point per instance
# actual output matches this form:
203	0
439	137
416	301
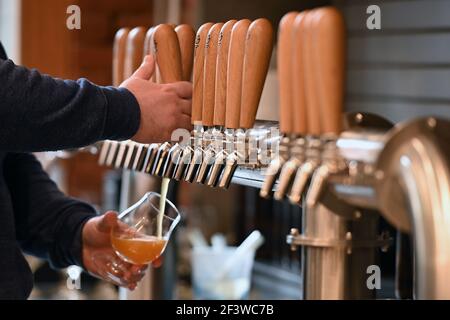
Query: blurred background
389	73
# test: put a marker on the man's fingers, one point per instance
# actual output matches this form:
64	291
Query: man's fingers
138	268
136	277
186	107
183	89
158	262
107	221
185	122
130	275
146	69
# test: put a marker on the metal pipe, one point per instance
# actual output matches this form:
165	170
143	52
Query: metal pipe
405	174
338	254
417	155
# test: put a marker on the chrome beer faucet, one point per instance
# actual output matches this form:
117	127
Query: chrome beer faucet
293	35
248	87
192	154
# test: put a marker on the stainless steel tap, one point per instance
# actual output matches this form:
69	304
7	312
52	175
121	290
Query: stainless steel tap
299	129
306	170
258	51
141	152
285	70
187	153
405	174
331	163
218	164
104	150
167	52
230	105
186	39
313	115
208	109
130	155
329	48
235	144
150	156
187	168
216	158
289	168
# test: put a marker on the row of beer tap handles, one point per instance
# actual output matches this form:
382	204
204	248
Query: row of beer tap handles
311	64
228	63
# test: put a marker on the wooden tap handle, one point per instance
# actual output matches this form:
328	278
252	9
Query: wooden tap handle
209	74
285	61
119	51
148	41
186	39
310	78
329	48
223	46
149	50
299	114
258	51
134	51
199	58
236	55
167	53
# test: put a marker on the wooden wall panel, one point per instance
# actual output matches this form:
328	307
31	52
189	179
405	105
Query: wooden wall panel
49	46
46	42
399	15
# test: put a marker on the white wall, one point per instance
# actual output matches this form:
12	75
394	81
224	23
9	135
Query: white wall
10	27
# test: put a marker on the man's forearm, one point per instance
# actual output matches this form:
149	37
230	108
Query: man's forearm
41	113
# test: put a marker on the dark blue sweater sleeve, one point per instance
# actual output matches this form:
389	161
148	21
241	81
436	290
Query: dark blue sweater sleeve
42	113
48	223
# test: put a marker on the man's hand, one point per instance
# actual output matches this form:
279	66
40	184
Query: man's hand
164	107
99	257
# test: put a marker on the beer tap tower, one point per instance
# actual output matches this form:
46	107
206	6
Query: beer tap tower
345	170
